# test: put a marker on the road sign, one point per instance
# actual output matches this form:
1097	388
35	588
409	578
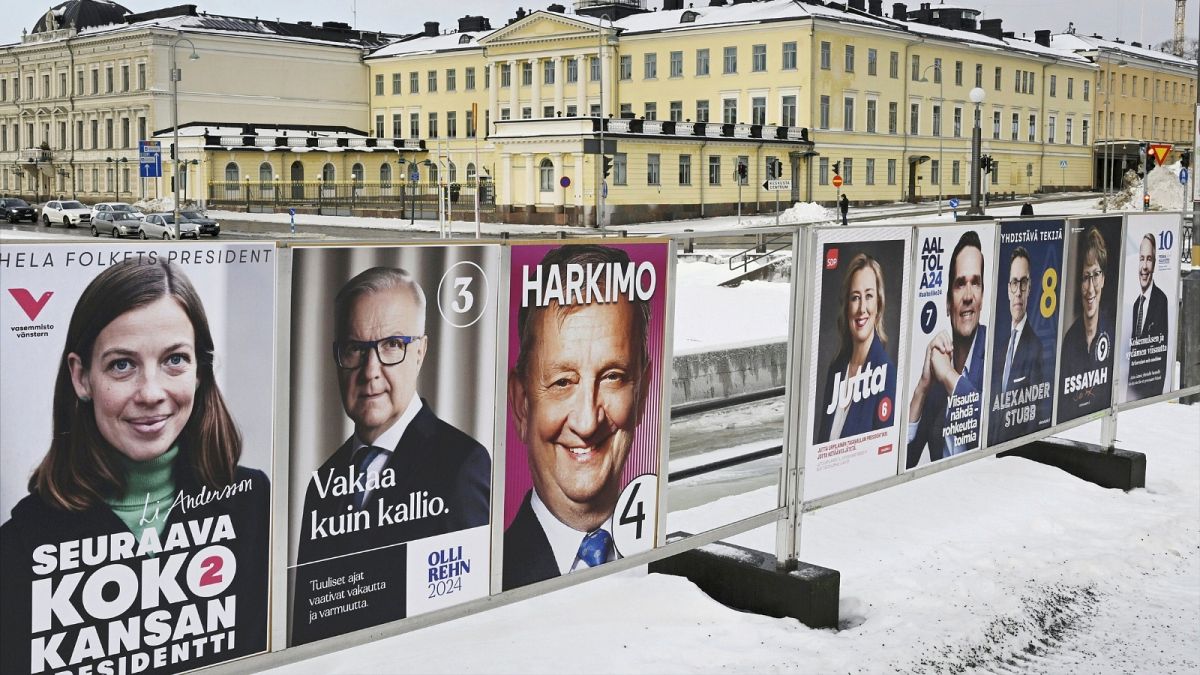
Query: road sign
777	184
150	159
1160	152
414	174
1183	176
1028	170
954	202
604	189
1062	163
837	181
565	181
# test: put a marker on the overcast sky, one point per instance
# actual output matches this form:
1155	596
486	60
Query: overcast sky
1147	21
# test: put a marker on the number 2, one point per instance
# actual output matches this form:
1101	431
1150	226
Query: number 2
212	570
465	299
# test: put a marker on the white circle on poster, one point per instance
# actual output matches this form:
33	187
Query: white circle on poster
463	294
634	519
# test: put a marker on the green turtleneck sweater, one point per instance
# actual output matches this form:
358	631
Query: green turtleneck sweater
149	489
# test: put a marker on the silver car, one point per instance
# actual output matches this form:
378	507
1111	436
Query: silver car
162	226
115	224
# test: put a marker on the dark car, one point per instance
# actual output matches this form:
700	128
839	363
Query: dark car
13	210
207	225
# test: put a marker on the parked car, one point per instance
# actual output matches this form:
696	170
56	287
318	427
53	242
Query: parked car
116	224
117	207
207	225
13	209
162	226
69	213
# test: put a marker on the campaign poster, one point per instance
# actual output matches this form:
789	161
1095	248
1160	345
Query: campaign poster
583	453
1090	286
136	446
951	314
859	283
1025	346
393	362
1149	306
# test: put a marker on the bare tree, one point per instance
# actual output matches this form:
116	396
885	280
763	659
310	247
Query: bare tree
1191	47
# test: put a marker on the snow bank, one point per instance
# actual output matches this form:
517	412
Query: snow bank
1166	192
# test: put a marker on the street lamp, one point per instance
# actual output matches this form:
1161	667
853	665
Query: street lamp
1108	82
63	174
941	119
600	170
176	76
977	95
116	176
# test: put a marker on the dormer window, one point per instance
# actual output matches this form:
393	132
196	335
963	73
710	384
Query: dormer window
689	17
464	39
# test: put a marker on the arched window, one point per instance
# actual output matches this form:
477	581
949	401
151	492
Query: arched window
385	174
266	173
546	175
297	175
433	173
453	172
328	173
231	172
356	173
470	171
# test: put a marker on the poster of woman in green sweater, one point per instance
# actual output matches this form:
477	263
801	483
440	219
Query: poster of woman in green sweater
142	542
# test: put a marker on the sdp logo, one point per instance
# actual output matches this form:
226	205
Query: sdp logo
831	259
31	306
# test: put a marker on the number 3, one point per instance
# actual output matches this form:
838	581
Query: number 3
466	299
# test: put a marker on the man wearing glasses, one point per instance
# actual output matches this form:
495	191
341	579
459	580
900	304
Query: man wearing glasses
1087	349
1022	356
404	474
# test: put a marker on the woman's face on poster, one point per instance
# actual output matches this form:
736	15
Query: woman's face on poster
142	378
862	305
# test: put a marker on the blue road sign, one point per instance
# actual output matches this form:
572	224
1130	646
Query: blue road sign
604	189
414	175
954	202
1183	176
565	181
150	159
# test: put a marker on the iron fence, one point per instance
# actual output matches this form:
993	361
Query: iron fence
419	200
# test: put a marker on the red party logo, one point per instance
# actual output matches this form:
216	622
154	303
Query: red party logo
28	304
831	259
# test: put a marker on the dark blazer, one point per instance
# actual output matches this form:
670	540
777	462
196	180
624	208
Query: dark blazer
527	554
432	460
1026	370
1150	377
933	412
862	416
35	523
1078	357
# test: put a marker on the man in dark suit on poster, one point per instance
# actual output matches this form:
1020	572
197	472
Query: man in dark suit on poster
1022	356
404	474
577	395
1148	333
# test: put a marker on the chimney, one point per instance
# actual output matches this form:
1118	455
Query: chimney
875	7
557	9
899	11
672	4
469	24
431	29
860	5
1042	37
1135	44
992	28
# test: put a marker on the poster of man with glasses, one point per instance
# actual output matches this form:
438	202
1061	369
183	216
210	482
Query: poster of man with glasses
1024	349
392	391
1089	341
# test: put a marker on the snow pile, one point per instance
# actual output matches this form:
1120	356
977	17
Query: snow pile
160	205
806	212
1166	193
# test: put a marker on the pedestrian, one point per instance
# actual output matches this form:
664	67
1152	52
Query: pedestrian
1027	209
844	205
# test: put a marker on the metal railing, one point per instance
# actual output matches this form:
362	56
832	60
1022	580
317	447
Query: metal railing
743	259
418	200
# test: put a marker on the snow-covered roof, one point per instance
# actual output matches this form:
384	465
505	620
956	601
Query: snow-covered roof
1090	43
428	44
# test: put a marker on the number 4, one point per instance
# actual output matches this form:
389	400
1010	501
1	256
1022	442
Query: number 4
638	517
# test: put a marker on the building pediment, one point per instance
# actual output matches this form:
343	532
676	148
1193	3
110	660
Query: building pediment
540	26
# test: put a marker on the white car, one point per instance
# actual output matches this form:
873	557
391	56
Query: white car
162	226
69	213
115	207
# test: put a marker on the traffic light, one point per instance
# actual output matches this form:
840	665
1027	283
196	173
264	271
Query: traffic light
741	171
985	164
1185	160
1144	148
607	166
837	168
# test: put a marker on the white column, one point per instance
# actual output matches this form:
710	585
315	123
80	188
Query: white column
582	69
559	192
493	97
560	74
535	95
531	195
514	83
577	179
606	83
504	187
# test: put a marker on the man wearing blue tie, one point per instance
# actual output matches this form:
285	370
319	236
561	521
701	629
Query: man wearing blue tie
577	395
1022	364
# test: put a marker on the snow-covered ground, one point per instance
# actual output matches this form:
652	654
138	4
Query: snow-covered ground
1001	565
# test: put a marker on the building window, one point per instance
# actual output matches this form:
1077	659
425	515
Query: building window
702	110
653	169
1016	125
870	171
379	85
730	60
397	125
620	168
958	73
676	111
1087	90
685	169
469	74
937	120
978	74
935	172
714	170
999	75
96	81
650	66
996	125
848	170
758	110
594	68
379	126
1050	128
124	78
849	58
1033	128
626	110
894	65
141	78
958	122
848	113
893	117
572	70
823	119
526	113
432	129
505	75
546	176
432	80
758	58
788	113
872	110
1070	123
414	83
356	173
916	67
108	133
452	124
676	59
108	81
872	62
651	110
527	73
825	56
547	111
231	172
789	56
701	62
124	133
1084	132
891	172
397	83
729	110
1053	86
414	125
548	72
956	172
451	79
470	124
914	119
823	171
385	174
1071	87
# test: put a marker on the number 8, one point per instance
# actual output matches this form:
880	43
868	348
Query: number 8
1049	298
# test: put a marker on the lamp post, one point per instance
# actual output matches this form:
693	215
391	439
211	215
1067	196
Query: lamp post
63	174
176	76
1108	137
941	118
977	95
600	169
116	176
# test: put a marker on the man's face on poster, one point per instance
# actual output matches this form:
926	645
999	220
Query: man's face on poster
966	292
1018	288
578	406
1146	264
